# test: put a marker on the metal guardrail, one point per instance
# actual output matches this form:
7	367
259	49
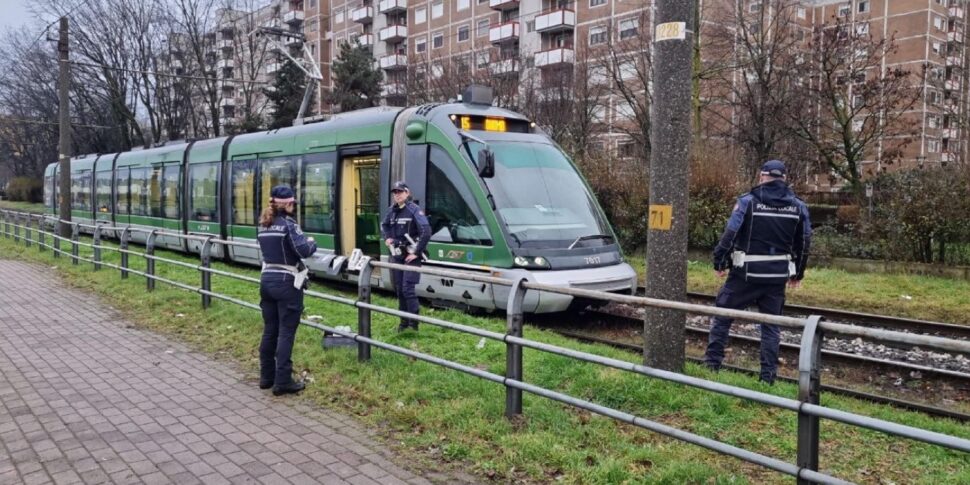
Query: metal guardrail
806	406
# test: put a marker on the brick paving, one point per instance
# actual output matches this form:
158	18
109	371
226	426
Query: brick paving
86	398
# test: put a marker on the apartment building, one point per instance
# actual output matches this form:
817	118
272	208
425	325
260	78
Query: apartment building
926	32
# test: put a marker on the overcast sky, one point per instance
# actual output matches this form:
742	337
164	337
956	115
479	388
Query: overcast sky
13	13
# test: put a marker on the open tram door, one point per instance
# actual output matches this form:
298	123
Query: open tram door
360	218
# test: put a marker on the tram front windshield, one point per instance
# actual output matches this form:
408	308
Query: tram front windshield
541	198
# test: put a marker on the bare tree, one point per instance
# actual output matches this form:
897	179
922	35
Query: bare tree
756	91
850	108
196	23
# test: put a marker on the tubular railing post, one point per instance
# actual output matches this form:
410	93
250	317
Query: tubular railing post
41	233
149	261
513	352
3	217
75	237
363	314
206	255
125	236
27	235
809	389
55	236
97	247
16	227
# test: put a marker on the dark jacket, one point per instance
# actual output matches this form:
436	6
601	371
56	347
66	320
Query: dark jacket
284	243
409	219
768	221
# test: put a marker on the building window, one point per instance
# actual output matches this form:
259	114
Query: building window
754	7
844	9
481	60
933	146
463	4
862	29
464	32
938	22
933	121
420	15
597	3
438	40
597	35
938	47
338	16
801	13
935	97
863	6
482	29
530	26
858	101
626	149
628	28
420	44
437	9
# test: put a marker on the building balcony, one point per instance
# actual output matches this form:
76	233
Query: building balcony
503	4
392	6
956	12
393	61
273	68
227	102
294	42
225	64
504	67
952	84
273	48
393	33
294	17
226	120
949	133
948	157
555	57
226	44
393	89
954	36
227	30
364	15
952	61
555	21
501	33
366	40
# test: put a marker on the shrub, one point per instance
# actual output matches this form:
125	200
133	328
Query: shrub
25	189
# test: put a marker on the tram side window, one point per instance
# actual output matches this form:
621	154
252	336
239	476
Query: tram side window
317	197
170	192
139	191
275	172
203	190
103	184
122	181
155	192
452	211
81	191
244	193
48	191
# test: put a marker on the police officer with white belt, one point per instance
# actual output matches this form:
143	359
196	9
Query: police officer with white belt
406	233
281	284
765	246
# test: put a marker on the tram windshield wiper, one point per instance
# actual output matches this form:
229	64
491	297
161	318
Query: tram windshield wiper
587	238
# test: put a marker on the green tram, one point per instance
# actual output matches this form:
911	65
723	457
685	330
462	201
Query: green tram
501	197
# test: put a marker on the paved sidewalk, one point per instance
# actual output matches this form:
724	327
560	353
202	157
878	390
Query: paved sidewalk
85	398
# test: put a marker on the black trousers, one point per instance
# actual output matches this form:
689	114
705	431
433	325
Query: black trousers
282	305
404	285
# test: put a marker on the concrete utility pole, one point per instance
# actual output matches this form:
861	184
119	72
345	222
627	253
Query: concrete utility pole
64	85
670	135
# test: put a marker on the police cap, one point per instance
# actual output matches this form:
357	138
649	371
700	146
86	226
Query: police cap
282	193
400	186
775	168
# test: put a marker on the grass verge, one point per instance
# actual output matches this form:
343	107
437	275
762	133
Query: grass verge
912	296
22	206
441	417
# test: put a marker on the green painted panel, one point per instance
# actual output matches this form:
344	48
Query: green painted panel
248	232
270	143
205	151
206	227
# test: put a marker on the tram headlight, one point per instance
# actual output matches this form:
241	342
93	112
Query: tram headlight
520	261
541	262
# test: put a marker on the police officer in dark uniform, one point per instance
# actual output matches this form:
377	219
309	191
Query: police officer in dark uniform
282	282
765	246
406	232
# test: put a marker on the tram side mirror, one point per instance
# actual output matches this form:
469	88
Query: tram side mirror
486	163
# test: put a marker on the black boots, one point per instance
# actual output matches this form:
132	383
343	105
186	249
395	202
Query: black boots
291	388
265	384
